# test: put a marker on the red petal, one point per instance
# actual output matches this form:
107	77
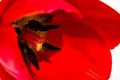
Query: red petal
102	18
3	74
10	56
19	8
89	44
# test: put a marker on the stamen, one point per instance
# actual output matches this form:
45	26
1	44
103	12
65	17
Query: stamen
32	31
38	47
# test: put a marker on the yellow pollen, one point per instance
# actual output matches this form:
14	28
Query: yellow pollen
38	46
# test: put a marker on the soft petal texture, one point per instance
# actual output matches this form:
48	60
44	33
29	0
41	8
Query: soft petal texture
102	18
15	9
10	56
84	53
3	74
85	39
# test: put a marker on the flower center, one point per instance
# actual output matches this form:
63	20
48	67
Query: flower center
32	35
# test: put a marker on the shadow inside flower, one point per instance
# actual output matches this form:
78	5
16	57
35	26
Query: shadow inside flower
73	27
75	35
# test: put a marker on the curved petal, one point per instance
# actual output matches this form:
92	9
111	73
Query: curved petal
3	74
19	8
10	57
101	17
87	40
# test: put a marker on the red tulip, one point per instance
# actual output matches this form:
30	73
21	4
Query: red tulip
86	35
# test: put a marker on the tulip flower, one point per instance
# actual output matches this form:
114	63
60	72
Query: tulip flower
87	31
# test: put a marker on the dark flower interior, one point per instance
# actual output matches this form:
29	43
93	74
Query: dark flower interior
33	40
